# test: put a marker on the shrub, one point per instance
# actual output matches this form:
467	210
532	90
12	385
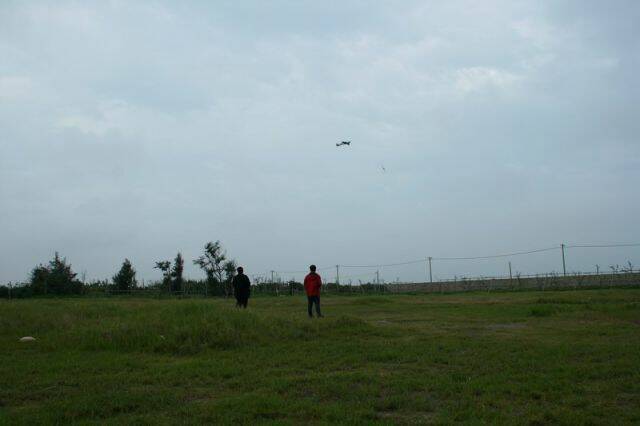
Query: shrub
56	278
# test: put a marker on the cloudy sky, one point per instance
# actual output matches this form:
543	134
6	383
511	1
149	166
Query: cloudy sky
140	129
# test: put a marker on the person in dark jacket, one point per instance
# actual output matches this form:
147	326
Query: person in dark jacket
241	288
312	284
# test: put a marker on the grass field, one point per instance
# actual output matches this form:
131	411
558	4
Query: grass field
569	357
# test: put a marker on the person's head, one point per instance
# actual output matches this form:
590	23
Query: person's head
312	268
240	270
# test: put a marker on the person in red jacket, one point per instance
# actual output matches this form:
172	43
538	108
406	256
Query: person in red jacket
312	284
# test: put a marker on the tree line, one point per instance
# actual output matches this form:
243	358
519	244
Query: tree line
57	278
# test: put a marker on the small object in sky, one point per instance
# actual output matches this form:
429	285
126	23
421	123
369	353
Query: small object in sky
383	169
27	339
343	143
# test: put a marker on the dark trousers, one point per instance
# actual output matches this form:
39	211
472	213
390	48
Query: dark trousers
241	301
311	301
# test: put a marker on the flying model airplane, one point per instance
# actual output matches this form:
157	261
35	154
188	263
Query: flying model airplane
343	143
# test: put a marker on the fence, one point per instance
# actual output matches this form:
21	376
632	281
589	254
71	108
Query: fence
539	282
535	282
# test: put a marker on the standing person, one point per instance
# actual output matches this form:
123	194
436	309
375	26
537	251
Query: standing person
241	288
312	284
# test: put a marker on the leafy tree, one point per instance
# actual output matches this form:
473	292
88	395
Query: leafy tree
125	279
56	278
215	265
176	273
165	267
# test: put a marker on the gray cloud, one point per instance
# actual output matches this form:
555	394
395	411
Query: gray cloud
137	130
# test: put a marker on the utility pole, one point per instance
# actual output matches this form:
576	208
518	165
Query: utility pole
430	275
272	280
564	266
378	277
337	274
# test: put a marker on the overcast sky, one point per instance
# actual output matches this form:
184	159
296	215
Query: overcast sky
140	129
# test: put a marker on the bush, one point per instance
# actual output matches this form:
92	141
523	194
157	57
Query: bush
56	278
20	291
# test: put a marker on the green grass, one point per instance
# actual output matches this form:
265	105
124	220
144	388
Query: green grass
569	357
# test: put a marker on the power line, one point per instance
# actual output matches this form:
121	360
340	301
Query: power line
518	253
495	256
538	251
603	245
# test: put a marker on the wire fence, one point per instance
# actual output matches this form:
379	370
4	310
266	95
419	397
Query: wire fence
542	282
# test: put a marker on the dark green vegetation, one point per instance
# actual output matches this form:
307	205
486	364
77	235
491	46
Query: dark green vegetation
569	357
125	279
58	279
55	278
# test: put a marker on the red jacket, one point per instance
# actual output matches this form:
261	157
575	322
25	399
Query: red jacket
312	284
